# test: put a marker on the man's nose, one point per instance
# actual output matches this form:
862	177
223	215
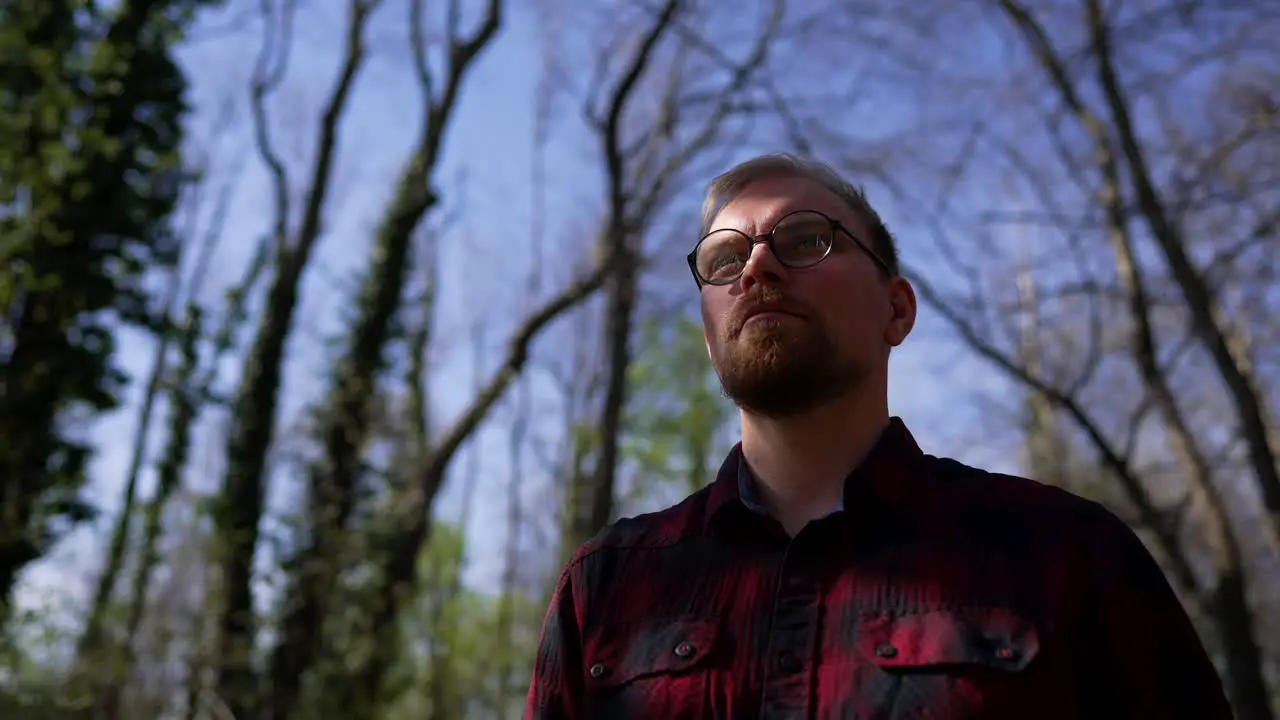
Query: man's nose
762	266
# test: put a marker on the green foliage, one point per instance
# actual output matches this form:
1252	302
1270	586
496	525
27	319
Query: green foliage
91	111
676	412
451	645
32	658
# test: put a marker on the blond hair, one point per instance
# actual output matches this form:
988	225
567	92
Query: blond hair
732	182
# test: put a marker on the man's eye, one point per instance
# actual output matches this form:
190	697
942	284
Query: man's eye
808	241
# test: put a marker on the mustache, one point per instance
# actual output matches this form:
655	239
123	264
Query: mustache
767	299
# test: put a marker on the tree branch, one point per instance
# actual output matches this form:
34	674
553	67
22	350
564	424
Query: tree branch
1116	463
1213	326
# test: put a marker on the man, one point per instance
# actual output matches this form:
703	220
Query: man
833	570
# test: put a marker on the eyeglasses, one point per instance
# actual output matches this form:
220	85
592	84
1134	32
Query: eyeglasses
798	240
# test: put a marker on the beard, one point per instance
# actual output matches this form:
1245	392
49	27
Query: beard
779	367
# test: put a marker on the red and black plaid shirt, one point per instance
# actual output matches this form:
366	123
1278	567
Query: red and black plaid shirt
938	591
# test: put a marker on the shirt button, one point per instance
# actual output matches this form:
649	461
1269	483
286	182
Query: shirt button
684	650
598	670
788	663
886	650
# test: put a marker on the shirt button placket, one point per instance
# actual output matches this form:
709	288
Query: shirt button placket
787	679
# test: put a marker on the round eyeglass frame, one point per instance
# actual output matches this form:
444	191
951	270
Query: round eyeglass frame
767	240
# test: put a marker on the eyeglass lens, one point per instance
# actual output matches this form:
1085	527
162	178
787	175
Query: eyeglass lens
799	240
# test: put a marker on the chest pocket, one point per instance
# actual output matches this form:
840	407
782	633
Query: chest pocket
952	664
651	670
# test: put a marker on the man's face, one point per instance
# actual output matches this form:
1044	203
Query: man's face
835	321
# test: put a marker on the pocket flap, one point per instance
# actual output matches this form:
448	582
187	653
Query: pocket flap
620	654
992	637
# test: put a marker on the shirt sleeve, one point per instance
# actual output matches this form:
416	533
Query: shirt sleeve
1145	659
555	692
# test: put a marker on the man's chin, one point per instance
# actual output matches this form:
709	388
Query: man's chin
774	392
770	327
766	343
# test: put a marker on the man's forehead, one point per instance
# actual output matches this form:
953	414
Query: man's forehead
759	205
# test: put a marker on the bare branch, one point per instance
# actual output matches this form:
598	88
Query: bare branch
334	480
396	544
610	129
1231	609
515	358
239	510
1213	326
269	71
327	140
418	46
1112	459
741	74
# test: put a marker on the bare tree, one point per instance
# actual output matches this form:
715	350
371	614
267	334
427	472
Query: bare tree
397	538
396	541
239	509
189	392
1124	348
1214	331
439	690
523	411
699	91
1127	181
95	656
168	636
334	481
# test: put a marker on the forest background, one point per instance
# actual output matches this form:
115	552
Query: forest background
331	327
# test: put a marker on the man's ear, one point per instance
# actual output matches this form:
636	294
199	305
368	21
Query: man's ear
902	311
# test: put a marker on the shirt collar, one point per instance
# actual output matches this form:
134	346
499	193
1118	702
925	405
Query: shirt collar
884	480
749	490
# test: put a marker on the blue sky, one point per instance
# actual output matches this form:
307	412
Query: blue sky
932	383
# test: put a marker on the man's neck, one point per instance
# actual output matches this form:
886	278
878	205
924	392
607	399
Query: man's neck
800	463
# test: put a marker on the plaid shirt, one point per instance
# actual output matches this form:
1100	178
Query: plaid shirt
937	591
